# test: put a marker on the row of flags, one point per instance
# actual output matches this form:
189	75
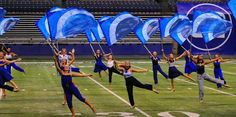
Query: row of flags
210	24
61	23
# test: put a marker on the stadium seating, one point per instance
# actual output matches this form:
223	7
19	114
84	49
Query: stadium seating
116	5
210	1
27	32
29	11
26	5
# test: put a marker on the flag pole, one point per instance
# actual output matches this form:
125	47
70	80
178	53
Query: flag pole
101	48
148	50
50	36
209	54
162	46
53	44
110	50
57	42
191	40
92	48
50	45
4	45
184	48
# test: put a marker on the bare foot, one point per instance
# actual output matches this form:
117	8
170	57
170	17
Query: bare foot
16	89
201	101
172	90
64	103
93	109
227	86
155	91
132	107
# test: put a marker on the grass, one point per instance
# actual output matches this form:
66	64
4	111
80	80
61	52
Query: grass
41	94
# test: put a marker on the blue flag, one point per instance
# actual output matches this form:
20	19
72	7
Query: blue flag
69	22
89	36
210	25
97	31
232	6
146	30
167	23
103	18
2	13
181	30
42	25
7	23
118	27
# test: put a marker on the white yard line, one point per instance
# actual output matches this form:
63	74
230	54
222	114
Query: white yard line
226	72
151	71
41	62
209	88
197	84
96	82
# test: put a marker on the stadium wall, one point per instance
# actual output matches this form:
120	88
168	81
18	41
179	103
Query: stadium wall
85	50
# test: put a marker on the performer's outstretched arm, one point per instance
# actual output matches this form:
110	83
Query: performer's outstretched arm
183	54
139	70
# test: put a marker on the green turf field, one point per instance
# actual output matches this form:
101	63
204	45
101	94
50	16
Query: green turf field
41	94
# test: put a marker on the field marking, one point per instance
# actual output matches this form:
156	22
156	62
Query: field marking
197	84
152	71
226	72
96	82
41	62
114	94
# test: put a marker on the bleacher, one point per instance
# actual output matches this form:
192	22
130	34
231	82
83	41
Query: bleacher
116	5
26	5
206	1
29	11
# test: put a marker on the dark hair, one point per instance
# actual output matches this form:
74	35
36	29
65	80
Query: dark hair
200	60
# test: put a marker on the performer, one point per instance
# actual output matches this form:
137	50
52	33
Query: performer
156	67
217	69
111	64
5	76
173	71
132	81
99	65
202	75
63	55
68	86
10	56
189	64
64	58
